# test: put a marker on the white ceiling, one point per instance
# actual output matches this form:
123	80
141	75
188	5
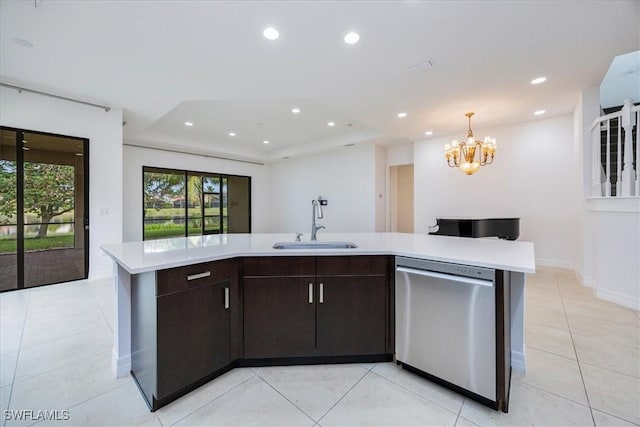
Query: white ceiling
622	80
167	62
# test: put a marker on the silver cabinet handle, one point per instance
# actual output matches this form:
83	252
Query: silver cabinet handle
321	298
226	298
310	293
199	275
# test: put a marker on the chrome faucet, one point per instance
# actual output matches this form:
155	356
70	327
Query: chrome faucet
316	207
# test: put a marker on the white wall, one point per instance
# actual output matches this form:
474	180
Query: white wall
616	250
587	109
534	177
381	189
346	178
136	157
400	155
104	131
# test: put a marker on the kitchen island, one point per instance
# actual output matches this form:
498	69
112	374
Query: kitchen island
245	274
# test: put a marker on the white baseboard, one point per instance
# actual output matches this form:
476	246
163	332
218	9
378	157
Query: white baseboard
618	298
546	262
586	281
518	361
120	366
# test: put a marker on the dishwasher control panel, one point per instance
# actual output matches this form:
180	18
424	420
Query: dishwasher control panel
446	267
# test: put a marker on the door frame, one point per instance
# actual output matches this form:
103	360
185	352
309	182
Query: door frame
19	132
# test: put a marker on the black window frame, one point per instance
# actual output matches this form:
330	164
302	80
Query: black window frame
222	194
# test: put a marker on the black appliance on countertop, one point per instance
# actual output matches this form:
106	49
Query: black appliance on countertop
504	228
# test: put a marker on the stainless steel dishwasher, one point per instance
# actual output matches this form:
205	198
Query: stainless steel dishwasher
446	324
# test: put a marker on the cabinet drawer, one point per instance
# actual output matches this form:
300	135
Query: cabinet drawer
191	276
361	265
279	266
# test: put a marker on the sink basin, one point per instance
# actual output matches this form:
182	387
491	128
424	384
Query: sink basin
315	245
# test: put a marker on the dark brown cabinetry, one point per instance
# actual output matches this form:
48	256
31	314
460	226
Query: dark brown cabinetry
351	316
315	306
190	324
193	328
193	336
278	320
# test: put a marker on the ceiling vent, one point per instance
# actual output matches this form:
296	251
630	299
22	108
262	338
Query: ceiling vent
423	65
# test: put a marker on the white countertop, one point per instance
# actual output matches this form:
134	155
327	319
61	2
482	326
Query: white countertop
140	257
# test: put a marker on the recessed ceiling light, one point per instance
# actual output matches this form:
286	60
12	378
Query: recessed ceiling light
271	33
402	115
331	124
429	132
188	124
540	112
23	42
265	142
351	37
232	134
295	110
538	80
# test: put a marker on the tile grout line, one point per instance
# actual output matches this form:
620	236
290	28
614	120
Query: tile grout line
210	401
553	394
287	399
104	316
62	366
344	395
584	385
85	401
418	395
616	416
551	352
15	369
611	370
464	399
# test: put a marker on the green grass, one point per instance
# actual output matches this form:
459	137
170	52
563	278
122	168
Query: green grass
8	245
179	212
161	233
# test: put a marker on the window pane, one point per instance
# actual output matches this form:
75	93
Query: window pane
179	203
212	224
239	205
211	204
164	204
195	226
211	184
194	189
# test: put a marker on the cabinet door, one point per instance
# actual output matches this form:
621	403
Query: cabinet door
279	317
193	336
351	315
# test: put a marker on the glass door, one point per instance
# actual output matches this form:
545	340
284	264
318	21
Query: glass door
45	212
8	211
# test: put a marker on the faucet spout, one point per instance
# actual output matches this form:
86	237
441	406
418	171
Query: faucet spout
316	211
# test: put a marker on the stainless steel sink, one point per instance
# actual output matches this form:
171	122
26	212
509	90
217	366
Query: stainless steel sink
315	245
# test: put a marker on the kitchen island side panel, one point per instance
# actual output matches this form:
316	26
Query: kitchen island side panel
144	339
516	288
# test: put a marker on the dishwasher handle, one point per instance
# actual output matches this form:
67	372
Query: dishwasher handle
451	277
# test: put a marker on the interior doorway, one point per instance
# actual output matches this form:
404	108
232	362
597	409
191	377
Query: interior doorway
401	198
44	221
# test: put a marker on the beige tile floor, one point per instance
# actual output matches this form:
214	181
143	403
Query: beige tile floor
582	356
